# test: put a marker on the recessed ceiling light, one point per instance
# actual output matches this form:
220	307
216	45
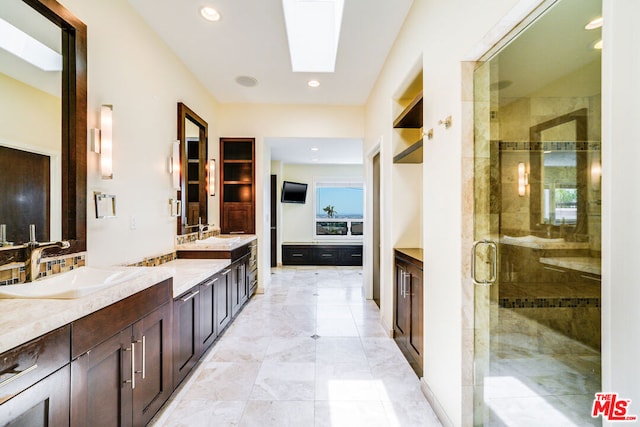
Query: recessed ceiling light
314	148
313	83
592	25
210	14
598	45
246	81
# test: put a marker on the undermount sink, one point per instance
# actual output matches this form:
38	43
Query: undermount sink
76	283
217	240
532	239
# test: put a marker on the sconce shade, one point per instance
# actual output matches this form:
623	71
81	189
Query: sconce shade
174	164
106	141
522	180
212	177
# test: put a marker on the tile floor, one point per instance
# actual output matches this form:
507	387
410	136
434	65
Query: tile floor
309	352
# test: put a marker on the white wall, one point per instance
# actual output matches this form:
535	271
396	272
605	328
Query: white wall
131	68
283	121
441	33
621	201
297	220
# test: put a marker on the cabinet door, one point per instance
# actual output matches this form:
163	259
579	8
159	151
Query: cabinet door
415	338
401	303
186	336
153	370
101	384
238	218
223	295
208	331
45	404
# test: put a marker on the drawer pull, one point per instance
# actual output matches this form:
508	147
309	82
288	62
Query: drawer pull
327	255
207	284
17	375
188	297
297	255
357	255
224	273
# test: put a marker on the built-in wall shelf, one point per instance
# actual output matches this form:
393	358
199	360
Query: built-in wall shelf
411	116
412	154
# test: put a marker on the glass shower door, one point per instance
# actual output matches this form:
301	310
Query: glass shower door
536	261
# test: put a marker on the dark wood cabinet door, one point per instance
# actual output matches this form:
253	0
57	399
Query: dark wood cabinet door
415	337
186	334
223	296
101	387
45	404
208	331
238	218
401	306
153	371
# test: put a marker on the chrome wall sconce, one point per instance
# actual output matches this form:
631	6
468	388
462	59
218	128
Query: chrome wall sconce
102	141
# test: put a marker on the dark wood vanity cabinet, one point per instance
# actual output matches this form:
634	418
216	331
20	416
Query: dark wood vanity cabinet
34	382
408	312
195	323
121	373
239	284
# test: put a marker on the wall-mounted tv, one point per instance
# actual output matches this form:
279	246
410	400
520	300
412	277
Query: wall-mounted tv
293	192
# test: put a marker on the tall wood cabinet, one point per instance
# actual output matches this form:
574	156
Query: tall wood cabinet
237	175
408	311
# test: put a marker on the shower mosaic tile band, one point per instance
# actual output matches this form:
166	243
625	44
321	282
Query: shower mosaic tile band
549	146
549	302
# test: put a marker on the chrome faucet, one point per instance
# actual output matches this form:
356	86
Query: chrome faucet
35	249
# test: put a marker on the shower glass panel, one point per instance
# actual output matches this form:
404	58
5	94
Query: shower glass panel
536	262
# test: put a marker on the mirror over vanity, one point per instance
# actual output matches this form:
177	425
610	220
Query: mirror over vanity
193	137
43	128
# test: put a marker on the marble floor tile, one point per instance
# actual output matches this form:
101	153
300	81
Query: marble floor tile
284	381
309	352
278	414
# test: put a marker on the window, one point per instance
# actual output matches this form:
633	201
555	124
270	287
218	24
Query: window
339	209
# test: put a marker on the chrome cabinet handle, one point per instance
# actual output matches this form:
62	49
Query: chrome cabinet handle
494	263
224	273
143	341
17	375
406	276
132	381
188	297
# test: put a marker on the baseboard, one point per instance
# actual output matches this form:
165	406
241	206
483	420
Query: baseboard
435	404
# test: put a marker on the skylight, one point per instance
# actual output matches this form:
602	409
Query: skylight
22	45
313	30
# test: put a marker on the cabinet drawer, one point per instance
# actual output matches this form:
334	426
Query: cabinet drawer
25	365
351	255
326	255
296	255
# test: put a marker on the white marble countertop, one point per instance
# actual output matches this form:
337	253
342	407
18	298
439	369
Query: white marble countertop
583	264
25	319
189	272
22	320
223	242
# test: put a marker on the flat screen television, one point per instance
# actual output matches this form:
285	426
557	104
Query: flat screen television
293	192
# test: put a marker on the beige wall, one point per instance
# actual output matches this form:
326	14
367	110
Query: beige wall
132	69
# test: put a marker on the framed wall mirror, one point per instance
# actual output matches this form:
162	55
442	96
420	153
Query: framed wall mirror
43	128
193	137
559	173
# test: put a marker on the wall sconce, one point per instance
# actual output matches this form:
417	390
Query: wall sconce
174	164
596	174
523	179
106	141
212	177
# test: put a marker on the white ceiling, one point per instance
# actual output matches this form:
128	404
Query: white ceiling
250	40
342	151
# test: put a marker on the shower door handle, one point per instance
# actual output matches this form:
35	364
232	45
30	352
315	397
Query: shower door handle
494	262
